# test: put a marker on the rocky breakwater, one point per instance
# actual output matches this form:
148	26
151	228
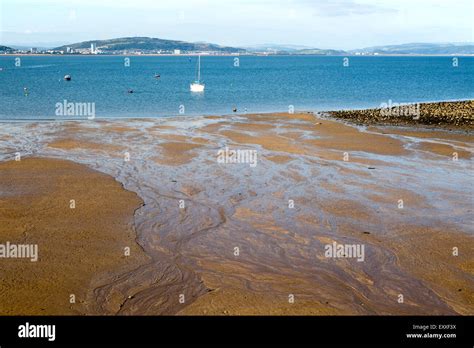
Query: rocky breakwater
455	115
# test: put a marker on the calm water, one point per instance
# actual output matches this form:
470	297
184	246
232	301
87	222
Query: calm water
259	84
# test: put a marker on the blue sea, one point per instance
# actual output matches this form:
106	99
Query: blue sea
253	84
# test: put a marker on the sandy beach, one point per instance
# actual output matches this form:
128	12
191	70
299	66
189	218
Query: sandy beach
216	238
78	247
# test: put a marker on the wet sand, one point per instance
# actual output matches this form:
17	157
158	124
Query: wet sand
79	245
222	238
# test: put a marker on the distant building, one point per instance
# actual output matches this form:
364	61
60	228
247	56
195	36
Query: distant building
93	48
34	50
68	49
177	51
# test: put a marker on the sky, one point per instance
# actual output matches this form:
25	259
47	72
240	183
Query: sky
338	24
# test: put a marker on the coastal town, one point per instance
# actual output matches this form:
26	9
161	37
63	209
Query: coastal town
93	50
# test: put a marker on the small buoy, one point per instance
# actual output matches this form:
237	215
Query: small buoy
157	76
67	77
234	109
130	91
25	91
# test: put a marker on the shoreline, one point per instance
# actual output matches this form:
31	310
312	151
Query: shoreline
356	116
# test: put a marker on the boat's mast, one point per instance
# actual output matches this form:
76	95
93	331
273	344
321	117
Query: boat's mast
199	68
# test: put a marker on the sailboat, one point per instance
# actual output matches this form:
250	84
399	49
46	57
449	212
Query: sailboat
197	86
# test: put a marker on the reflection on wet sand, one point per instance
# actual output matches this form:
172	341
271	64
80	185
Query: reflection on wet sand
232	239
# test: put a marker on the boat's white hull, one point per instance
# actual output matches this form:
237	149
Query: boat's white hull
197	87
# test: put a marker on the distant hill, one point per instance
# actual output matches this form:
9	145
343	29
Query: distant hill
4	49
420	48
320	52
293	49
275	48
404	49
148	44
